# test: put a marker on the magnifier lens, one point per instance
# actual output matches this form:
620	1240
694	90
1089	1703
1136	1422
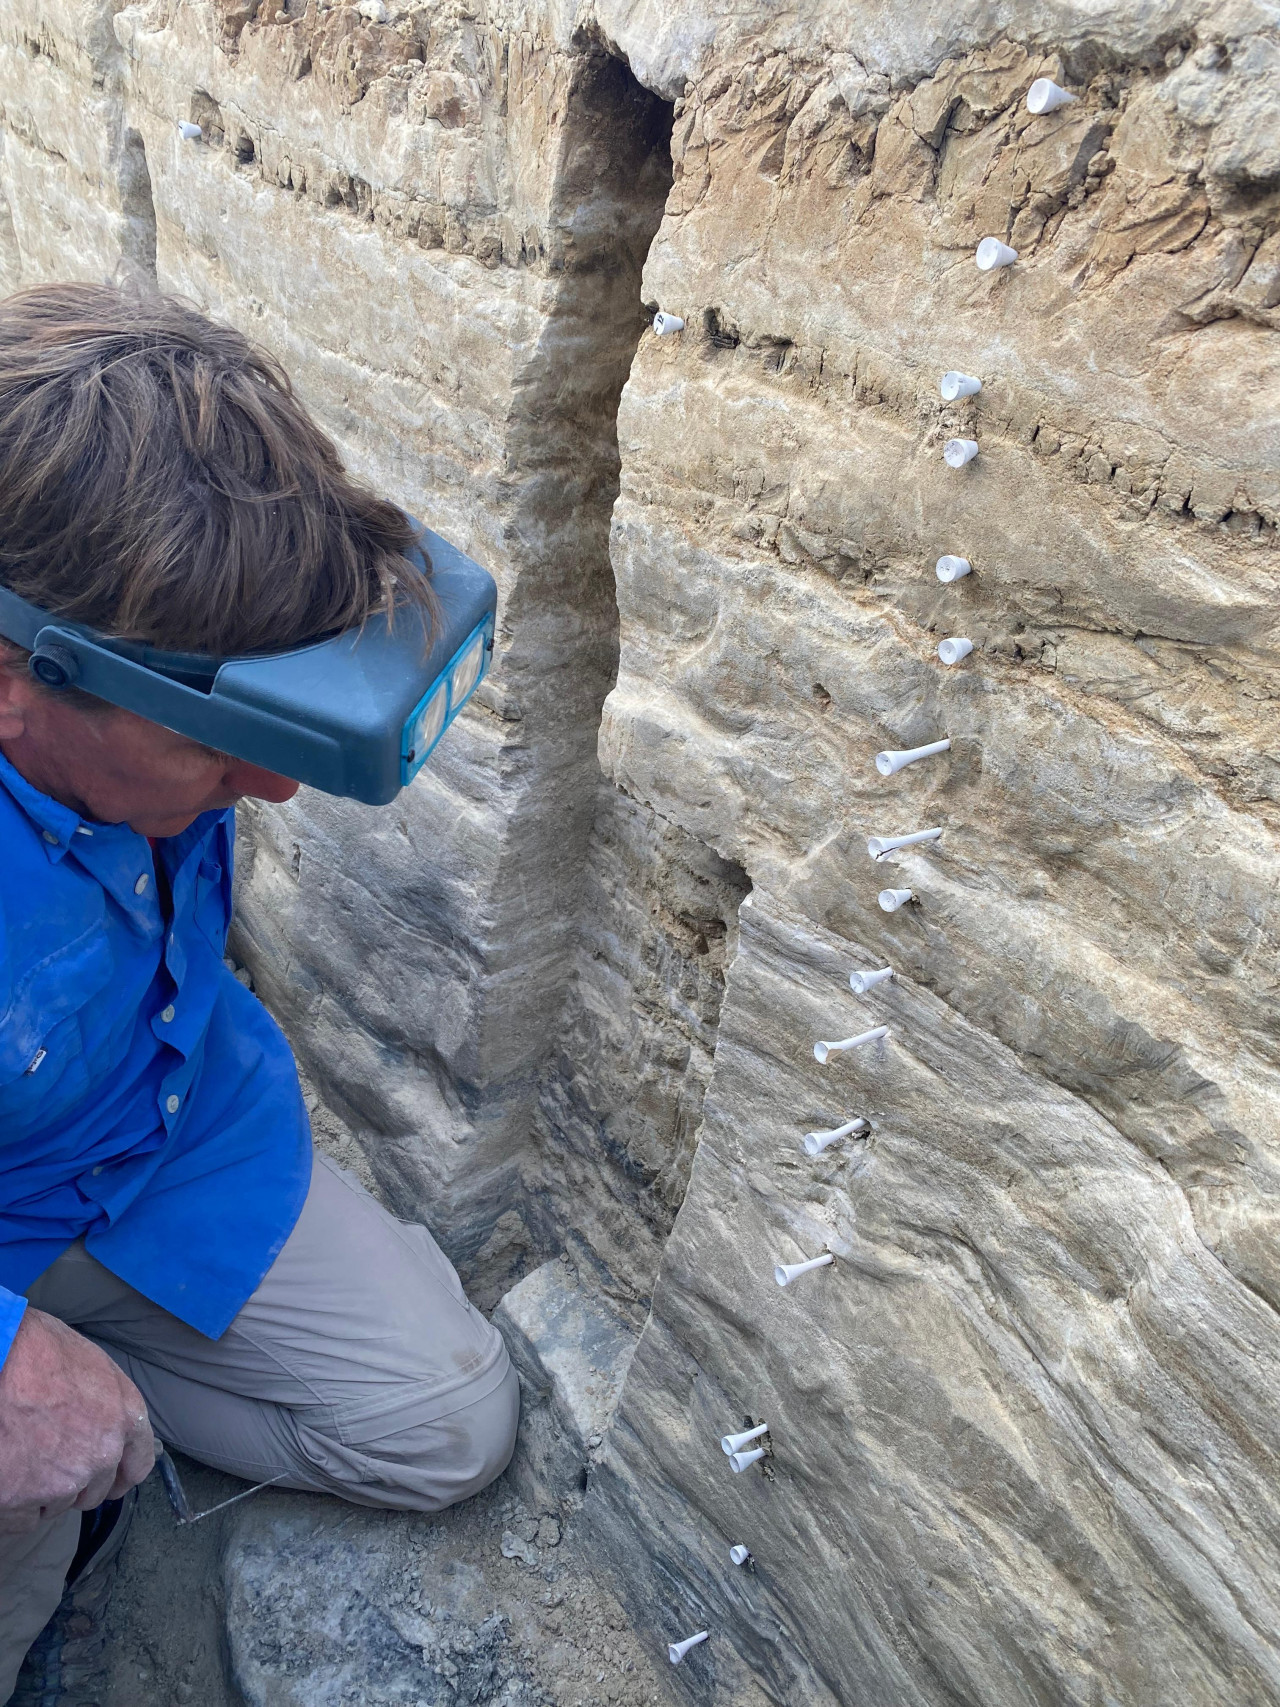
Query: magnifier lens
466	672
429	723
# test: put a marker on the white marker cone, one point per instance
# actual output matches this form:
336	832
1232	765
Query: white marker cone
816	1142
952	650
785	1272
861	982
740	1461
956	452
664	323
189	132
731	1443
890	763
879	846
956	385
949	568
677	1650
1044	96
891	899
739	1555
822	1051
992	253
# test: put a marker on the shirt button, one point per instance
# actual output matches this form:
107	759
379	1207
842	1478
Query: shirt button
173	1104
50	838
140	886
167	1013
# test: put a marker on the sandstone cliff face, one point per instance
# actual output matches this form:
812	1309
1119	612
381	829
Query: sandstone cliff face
1023	1432
1002	1424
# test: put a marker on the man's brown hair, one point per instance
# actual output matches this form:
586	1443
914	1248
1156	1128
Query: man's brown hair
160	481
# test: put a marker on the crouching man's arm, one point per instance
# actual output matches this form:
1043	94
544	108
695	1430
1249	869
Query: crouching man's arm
73	1429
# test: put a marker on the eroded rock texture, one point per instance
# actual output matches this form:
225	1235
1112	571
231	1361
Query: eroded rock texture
1002	1423
621	1101
1023	1432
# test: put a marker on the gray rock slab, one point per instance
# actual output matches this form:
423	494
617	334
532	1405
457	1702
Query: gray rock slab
572	1351
315	1622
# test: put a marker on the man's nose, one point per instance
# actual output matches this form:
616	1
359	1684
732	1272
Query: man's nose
243	778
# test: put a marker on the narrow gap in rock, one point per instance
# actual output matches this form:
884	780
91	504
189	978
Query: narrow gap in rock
446	1125
138	240
620	1098
612	184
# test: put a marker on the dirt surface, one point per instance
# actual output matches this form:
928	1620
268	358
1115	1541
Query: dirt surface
487	1603
166	1645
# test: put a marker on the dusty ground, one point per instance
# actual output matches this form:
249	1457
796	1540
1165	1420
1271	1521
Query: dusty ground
487	1603
166	1645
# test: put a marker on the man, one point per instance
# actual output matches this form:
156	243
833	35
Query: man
173	1259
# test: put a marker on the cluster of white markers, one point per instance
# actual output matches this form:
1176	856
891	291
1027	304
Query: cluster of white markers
748	1447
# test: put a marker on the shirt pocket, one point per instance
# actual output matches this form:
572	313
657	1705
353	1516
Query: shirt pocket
42	1066
49	1087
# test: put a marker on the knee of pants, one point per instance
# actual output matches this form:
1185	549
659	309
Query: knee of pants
491	1433
427	1466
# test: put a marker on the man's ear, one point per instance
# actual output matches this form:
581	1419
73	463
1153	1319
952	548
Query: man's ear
16	688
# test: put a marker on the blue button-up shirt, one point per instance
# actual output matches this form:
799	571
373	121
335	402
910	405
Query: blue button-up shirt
148	1102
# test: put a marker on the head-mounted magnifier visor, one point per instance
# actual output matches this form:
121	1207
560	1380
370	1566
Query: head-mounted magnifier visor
357	714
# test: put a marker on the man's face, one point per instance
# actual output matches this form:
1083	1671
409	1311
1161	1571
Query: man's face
115	767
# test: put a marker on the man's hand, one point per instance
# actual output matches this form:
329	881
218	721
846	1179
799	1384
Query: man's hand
73	1429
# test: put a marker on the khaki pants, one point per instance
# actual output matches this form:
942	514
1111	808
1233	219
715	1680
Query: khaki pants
358	1368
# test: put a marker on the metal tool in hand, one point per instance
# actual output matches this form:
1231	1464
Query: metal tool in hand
178	1494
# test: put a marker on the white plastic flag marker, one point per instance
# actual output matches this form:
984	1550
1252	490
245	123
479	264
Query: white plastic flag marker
992	253
1045	96
739	1555
891	762
822	1052
956	452
949	568
731	1443
879	846
677	1650
189	132
664	323
891	899
954	648
816	1142
957	385
740	1461
785	1272
860	982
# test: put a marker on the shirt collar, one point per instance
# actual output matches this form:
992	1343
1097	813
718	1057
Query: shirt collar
62	830
57	823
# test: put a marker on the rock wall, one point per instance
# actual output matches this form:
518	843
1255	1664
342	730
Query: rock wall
621	1100
1022	1432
